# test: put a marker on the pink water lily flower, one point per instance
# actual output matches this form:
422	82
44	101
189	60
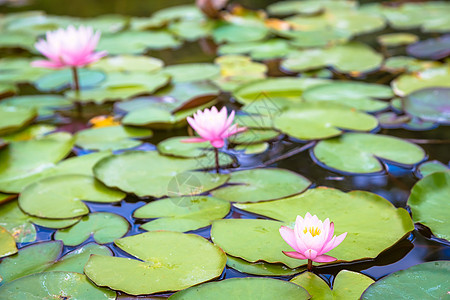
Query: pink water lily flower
69	47
311	239
213	126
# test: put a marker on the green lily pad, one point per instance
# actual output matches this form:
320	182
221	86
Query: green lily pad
18	70
359	95
433	283
17	40
262	185
397	64
270	49
261	268
7	89
17	223
60	197
234	33
170	261
128	63
432	77
430	104
21	160
192	72
191	30
189	94
311	121
317	38
60	80
75	260
111	137
307	6
179	12
152	174
428	202
7	243
103	227
253	148
31	259
55	224
354	212
174	146
35	131
136	42
397	39
55	285
244	288
14	118
360	152
353	58
254	136
346	285
430	167
182	213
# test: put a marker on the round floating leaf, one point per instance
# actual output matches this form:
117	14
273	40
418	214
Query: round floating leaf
396	64
316	38
359	95
75	260
192	72
361	153
55	224
429	167
17	223
44	104
128	63
233	33
7	243
244	288
60	197
179	12
186	95
431	104
182	213
254	136
262	50
311	121
431	49
262	185
103	227
429	203
261	268
253	148
7	89
346	285
152	174
60	80
18	70
55	285
397	39
13	118
111	137
356	212
29	132
353	58
433	283
170	261
191	30
432	77
307	6
174	146
31	259
17	40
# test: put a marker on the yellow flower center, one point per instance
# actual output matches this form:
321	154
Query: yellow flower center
313	230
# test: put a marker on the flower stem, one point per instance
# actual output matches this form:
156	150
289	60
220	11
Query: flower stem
76	84
310	266
216	152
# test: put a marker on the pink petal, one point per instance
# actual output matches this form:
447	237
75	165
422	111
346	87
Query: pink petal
335	241
310	254
47	64
218	143
194	140
324	258
294	254
288	236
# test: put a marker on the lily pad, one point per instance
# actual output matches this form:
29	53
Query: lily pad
17	223
433	283
18	70
7	89
234	33
21	160
128	63
353	58
361	153
60	197
254	136
355	212
182	213
13	118
7	243
429	205
307	6
399	64
397	39
434	49
192	72
31	259
56	285
253	148
29	133
430	104
261	268
179	12
359	95
192	30
60	80
75	260
346	285
152	174
244	288
262	185
103	227
432	77
311	121
430	167
170	261
44	104
270	49
174	146
111	137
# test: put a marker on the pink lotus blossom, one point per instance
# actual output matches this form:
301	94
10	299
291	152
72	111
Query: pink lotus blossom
311	238
69	47
213	126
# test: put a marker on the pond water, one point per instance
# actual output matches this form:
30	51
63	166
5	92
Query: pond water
285	151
